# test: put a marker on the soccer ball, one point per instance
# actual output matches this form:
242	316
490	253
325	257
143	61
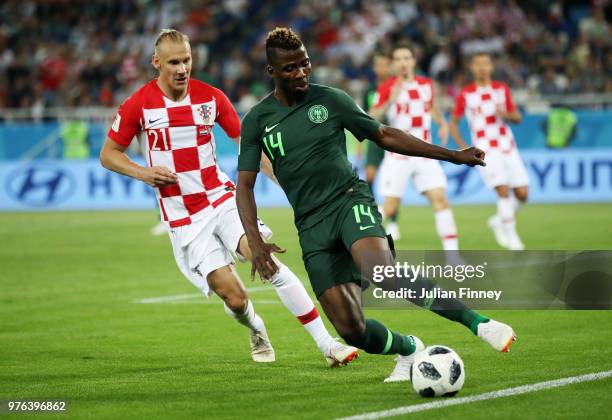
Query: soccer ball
437	371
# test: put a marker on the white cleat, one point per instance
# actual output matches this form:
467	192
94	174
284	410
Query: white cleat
500	236
261	348
339	354
515	244
499	335
393	230
401	373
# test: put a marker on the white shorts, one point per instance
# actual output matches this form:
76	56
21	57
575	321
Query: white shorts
504	169
211	243
395	172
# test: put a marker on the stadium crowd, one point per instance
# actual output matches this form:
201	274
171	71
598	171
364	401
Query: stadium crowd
94	52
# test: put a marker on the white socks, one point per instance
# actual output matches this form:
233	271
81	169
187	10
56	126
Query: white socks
505	212
447	230
515	203
249	318
293	295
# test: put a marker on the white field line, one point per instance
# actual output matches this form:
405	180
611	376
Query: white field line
408	409
189	296
214	300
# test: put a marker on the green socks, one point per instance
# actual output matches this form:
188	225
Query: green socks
380	340
449	308
472	320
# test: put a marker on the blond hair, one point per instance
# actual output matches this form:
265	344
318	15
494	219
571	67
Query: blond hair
170	35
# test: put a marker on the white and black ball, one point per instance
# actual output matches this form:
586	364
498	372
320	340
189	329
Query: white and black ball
437	371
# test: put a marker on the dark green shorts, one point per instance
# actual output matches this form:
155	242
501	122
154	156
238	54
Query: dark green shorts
326	245
374	154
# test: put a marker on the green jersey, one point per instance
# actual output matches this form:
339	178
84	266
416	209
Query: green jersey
307	147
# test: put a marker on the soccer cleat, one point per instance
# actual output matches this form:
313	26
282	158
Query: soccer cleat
339	354
261	348
403	366
499	335
515	244
393	230
495	225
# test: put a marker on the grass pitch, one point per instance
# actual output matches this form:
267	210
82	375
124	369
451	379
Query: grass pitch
70	328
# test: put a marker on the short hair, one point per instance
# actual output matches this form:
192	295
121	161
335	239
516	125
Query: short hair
283	38
171	35
403	46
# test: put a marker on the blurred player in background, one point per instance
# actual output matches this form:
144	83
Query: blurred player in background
300	128
374	153
406	101
176	115
488	106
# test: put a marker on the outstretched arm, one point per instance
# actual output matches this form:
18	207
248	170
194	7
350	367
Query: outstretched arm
113	157
398	141
247	209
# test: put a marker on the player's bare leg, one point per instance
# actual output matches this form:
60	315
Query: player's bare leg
226	284
445	224
390	210
521	194
505	220
292	293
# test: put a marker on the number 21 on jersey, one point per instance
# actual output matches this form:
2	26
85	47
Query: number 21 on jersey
158	139
272	143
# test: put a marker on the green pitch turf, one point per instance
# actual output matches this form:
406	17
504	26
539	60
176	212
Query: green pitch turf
69	328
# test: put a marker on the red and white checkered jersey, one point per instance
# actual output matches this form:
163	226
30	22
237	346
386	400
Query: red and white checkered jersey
178	136
480	105
411	110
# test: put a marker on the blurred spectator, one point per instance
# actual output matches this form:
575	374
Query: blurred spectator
90	52
595	27
551	82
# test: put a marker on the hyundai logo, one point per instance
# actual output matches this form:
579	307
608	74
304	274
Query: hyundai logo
459	181
40	185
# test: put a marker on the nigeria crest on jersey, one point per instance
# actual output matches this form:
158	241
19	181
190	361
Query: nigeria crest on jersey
318	114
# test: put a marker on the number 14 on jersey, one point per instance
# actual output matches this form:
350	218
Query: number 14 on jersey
271	143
